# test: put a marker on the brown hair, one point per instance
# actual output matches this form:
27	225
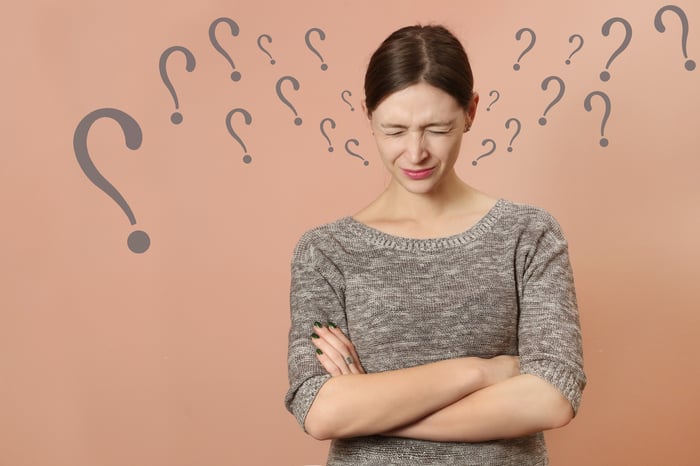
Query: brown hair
415	54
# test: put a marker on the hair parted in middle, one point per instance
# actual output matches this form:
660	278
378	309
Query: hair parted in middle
414	54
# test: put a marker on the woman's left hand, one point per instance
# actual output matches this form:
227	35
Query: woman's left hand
335	351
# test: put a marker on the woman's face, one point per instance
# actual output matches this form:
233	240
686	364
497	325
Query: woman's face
418	131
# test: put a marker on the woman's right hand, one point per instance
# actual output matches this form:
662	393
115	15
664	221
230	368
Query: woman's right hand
500	368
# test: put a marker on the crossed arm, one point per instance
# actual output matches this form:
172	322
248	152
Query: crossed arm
465	399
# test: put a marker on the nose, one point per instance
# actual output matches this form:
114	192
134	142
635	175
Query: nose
416	151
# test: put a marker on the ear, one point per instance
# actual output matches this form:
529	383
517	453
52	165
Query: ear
364	110
471	111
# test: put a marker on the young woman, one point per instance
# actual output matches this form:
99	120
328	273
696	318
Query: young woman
438	325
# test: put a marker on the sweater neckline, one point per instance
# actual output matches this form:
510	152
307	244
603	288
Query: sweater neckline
381	238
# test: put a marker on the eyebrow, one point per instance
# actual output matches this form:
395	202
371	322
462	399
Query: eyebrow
434	123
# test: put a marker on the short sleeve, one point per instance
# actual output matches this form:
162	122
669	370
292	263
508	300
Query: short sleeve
549	334
316	295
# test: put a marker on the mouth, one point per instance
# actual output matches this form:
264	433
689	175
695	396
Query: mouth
418	174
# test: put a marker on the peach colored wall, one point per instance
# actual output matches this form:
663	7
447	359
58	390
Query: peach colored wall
176	356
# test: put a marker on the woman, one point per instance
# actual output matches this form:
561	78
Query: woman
438	325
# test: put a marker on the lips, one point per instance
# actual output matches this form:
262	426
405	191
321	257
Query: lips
418	174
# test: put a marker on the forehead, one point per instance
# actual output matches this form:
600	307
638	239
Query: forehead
419	103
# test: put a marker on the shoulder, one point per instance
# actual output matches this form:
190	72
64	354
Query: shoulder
321	241
530	228
529	217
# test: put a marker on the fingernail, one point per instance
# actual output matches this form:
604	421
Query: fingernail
332	325
313	335
318	324
318	351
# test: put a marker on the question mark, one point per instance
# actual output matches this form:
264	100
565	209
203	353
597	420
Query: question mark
260	46
498	96
295	84
493	149
235	75
248	120
357	143
517	131
307	38
138	241
518	36
571	41
323	132
342	96
587	105
176	117
545	84
604	76
658	23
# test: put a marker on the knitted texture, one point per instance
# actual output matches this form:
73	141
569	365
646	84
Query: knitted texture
504	286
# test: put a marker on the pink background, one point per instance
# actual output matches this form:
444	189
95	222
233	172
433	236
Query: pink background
177	356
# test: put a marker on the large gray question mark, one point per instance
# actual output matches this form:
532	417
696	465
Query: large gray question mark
307	38
235	75
659	24
138	241
176	117
560	94
587	105
342	96
354	154
323	132
498	96
248	120
260	46
571	41
517	131
605	75
486	154
518	36
295	84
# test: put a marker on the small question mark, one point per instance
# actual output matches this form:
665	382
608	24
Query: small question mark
176	117
307	38
605	75
323	132
248	120
342	96
138	241
498	96
235	75
260	46
571	41
517	131
357	143
295	84
587	105
493	149
518	36
560	94
658	23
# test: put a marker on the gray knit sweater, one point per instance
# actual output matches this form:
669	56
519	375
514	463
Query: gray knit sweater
504	286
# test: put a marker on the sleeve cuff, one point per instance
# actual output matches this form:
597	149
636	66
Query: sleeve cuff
305	396
570	382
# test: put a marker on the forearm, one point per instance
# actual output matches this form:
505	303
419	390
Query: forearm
515	407
365	404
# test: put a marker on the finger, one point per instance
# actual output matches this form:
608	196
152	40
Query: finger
354	361
331	353
344	347
327	364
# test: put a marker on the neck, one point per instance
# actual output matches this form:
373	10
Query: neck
441	201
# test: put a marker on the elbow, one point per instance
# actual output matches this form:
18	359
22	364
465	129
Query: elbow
319	423
317	429
562	413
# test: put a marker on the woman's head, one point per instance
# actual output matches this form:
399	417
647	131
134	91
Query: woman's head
415	54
